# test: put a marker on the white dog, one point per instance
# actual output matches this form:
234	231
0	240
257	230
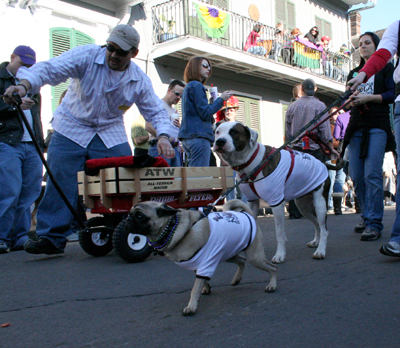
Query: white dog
288	175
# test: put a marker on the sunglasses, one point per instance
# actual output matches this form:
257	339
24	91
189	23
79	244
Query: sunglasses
176	93
119	51
206	66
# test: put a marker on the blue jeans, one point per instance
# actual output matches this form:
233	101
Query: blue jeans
65	159
198	151
172	162
328	65
258	50
395	236
367	176
277	50
338	177
21	173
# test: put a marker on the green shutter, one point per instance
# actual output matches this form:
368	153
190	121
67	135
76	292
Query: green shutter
325	27
249	113
62	40
285	13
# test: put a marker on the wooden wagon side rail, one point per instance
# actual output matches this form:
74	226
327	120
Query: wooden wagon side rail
137	182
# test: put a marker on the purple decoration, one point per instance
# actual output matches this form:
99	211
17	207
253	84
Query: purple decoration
213	12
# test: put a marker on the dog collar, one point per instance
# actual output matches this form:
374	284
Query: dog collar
165	237
242	166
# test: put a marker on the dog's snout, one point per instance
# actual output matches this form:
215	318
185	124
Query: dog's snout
220	142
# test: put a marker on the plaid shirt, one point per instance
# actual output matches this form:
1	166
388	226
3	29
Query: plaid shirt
95	104
303	111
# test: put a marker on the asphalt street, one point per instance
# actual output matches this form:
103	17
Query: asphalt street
349	299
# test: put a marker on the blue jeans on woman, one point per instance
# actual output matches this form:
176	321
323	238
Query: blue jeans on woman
367	177
198	151
338	177
395	236
66	158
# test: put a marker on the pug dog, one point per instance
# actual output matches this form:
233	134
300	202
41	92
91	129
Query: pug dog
200	243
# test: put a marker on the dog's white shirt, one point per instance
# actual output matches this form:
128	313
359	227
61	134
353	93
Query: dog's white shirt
230	233
307	174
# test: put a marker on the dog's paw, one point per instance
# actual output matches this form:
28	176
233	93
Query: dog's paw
206	289
270	288
188	311
313	244
318	255
278	258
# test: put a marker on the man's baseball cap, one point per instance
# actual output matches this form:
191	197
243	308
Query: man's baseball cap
27	54
125	36
309	87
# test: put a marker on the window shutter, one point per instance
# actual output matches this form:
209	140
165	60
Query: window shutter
241	114
291	16
318	23
280	11
62	40
254	112
327	29
249	113
81	39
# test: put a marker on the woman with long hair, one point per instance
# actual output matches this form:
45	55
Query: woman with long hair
196	132
368	137
312	36
388	47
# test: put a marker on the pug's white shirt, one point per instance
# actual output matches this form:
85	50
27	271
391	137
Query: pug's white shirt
231	232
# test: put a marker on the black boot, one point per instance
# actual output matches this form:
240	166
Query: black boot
337	205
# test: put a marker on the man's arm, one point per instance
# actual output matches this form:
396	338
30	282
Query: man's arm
72	63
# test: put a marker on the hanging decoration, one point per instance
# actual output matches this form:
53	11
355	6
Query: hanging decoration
214	22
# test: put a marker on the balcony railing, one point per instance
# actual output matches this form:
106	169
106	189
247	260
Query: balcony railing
177	18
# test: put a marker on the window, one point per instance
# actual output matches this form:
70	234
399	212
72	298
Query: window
61	40
249	113
325	27
285	12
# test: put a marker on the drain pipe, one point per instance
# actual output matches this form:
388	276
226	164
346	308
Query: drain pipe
372	5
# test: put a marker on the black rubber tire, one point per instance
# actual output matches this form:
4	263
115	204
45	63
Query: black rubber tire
126	249
91	243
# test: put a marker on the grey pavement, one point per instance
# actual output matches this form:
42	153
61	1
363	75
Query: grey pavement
350	299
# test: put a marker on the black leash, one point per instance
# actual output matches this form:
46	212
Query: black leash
296	137
18	102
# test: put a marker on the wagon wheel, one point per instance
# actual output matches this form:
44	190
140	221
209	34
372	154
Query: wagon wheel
96	243
129	246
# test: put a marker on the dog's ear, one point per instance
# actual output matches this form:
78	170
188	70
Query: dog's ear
166	210
253	135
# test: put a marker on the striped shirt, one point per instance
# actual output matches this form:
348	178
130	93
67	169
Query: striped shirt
303	111
97	97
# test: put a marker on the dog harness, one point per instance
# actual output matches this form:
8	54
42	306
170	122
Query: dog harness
296	174
230	233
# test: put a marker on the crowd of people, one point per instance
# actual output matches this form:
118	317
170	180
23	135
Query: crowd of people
279	45
361	133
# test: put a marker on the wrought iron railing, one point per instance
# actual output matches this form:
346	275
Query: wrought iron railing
177	18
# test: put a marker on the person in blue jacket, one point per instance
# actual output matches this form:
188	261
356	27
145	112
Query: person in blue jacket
196	132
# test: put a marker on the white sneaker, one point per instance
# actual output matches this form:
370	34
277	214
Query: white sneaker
74	237
390	249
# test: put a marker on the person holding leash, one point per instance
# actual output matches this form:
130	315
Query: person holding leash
20	165
388	47
88	124
368	137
